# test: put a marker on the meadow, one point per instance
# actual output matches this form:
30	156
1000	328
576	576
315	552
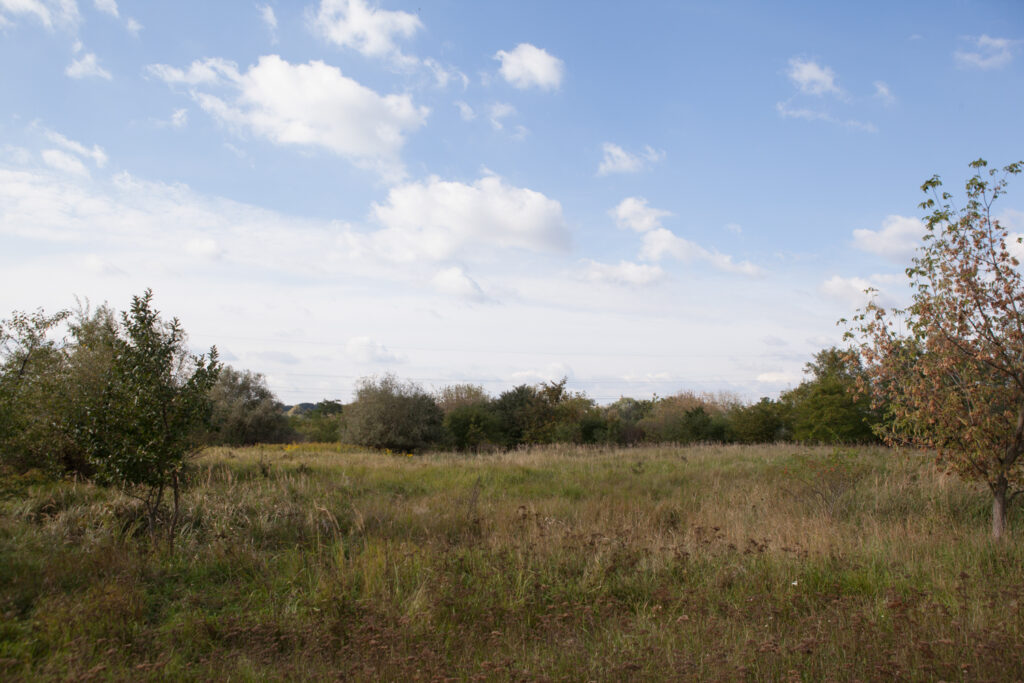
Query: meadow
778	562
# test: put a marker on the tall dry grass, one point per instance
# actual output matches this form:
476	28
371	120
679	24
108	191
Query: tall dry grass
711	562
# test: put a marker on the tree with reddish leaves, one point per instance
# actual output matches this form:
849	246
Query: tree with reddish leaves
950	367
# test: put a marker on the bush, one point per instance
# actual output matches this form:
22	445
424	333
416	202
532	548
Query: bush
389	413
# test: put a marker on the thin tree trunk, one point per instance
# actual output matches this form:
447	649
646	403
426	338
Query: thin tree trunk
999	508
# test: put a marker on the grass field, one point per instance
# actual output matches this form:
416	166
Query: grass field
322	562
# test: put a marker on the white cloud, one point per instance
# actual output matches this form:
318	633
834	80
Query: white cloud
898	238
204	247
369	30
779	377
443	75
98	156
883	93
437	220
660	242
618	160
108	6
179	119
62	161
269	20
811	78
528	66
367	350
101	266
87	66
787	112
455	282
133	26
734	228
465	111
633	213
989	53
310	104
47	12
851	291
623	273
499	111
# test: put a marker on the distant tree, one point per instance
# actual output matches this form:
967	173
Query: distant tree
759	422
156	405
688	418
457	395
322	423
950	367
623	419
473	426
517	409
245	411
824	408
389	413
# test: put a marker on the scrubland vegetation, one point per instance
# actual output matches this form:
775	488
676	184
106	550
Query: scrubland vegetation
580	563
532	535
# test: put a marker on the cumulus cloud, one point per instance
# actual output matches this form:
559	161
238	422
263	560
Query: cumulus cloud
108	6
310	105
887	289
898	238
133	27
811	78
87	66
659	243
179	118
62	161
618	160
987	53
623	273
369	30
455	282
438	219
367	350
633	213
528	66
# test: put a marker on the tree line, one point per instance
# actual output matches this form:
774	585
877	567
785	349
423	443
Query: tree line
120	399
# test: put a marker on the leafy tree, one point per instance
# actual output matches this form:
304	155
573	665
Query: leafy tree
950	367
456	395
760	422
32	366
322	423
824	408
156	404
245	411
389	413
688	418
473	426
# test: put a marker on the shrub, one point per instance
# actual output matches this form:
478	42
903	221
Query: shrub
389	413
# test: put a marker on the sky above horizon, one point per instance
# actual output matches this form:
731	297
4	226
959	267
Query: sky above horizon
643	198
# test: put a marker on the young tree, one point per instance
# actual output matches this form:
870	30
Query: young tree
156	404
245	411
951	366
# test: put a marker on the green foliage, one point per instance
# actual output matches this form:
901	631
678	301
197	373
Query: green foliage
156	404
321	424
688	418
473	426
246	412
825	408
760	422
32	366
389	413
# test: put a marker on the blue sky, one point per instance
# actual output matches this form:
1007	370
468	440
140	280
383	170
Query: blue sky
645	198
